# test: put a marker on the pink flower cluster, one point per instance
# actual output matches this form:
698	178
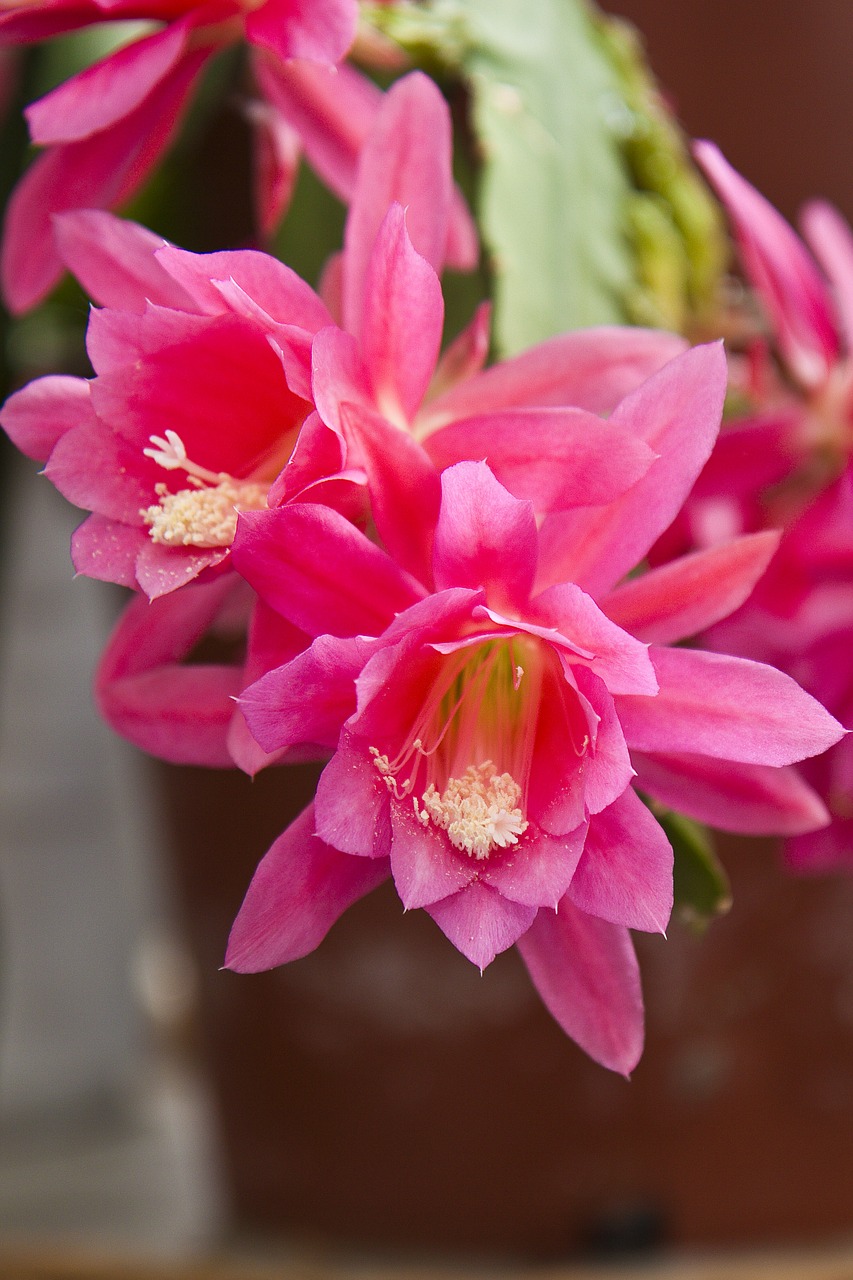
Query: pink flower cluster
434	567
783	461
104	130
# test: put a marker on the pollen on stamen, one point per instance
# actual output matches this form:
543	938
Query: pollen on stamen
201	516
479	811
205	513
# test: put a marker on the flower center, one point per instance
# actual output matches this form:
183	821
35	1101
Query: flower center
205	513
466	761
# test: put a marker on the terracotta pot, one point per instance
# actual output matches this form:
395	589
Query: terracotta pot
381	1093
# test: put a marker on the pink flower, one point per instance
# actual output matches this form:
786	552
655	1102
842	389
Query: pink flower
786	462
485	722
208	369
106	128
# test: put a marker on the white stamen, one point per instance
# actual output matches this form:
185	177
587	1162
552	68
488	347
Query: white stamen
204	515
169	453
479	811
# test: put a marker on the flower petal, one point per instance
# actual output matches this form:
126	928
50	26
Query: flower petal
405	492
406	160
677	412
625	873
621	662
109	90
38	416
316	30
401	320
686	596
731	708
315	569
480	922
115	262
538	870
484	536
831	241
585	970
555	458
423	864
179	713
778	265
330	108
97	172
106	550
352	805
301	887
754	799
307	700
274	287
592	369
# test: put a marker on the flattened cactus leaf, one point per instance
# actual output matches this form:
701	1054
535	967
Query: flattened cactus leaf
549	117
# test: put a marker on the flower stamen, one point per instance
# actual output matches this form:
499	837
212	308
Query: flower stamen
205	513
483	706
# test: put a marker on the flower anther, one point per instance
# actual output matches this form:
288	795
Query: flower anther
205	513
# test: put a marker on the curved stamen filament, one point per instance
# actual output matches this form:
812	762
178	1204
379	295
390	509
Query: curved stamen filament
203	515
482	707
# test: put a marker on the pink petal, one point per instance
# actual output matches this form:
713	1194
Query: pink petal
38	416
276	152
688	595
405	491
608	768
109	90
28	23
161	569
423	862
620	661
301	887
465	355
114	261
592	369
781	270
308	699
339	377
174	712
331	109
352	805
586	972
751	798
214	380
462	251
818	852
480	923
538	870
484	537
754	453
677	412
556	793
97	172
106	550
279	292
556	458
317	30
311	566
317	454
99	471
831	241
406	160
401	320
715	705
625	874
